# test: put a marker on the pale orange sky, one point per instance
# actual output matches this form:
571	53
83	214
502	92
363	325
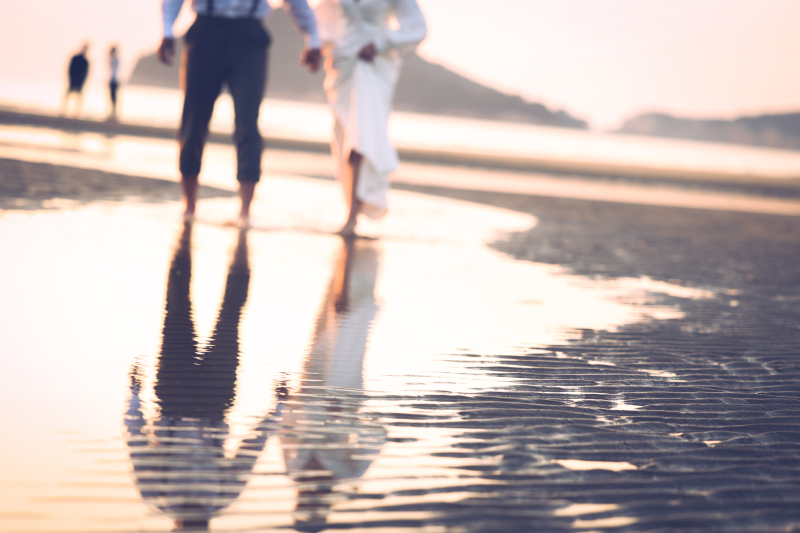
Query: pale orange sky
601	60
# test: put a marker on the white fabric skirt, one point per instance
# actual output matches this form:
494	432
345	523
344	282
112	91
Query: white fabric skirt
360	94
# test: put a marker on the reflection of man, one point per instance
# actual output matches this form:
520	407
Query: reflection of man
327	439
227	44
77	72
178	458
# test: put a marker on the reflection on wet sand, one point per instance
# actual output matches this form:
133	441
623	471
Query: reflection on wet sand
327	440
499	380
178	457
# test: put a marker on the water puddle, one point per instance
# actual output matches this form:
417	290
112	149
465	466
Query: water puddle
604	523
613	466
158	374
577	509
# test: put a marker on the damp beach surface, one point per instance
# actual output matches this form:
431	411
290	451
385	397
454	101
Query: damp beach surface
505	352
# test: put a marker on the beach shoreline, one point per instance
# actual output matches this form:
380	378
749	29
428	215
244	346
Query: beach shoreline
584	166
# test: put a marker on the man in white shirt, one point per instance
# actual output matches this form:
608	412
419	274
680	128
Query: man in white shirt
227	44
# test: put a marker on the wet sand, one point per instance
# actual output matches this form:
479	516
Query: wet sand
580	365
705	407
28	185
486	145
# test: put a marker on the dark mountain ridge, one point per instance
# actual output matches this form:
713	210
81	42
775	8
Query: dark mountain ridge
424	87
774	130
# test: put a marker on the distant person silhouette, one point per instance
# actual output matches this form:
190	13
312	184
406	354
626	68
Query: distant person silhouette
326	437
77	72
361	41
113	82
178	455
227	44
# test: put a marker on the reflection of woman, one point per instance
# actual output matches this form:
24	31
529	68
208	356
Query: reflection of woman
361	43
178	457
326	438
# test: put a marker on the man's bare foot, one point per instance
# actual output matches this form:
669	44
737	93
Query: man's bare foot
242	222
189	187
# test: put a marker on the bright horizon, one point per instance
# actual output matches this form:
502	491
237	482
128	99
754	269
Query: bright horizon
600	61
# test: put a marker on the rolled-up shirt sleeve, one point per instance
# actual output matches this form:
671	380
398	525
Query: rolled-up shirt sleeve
169	11
303	16
411	29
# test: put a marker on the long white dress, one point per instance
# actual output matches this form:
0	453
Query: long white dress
360	93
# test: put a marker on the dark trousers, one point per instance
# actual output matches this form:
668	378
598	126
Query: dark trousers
113	85
231	51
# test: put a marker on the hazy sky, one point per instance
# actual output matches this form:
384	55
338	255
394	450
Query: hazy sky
602	60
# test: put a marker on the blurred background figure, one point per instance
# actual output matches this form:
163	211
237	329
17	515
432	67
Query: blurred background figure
362	67
327	439
178	456
113	82
77	72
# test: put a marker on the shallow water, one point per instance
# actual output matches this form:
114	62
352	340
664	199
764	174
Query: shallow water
158	373
155	372
155	158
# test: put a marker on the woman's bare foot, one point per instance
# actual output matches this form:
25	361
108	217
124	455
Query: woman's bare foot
348	230
188	210
354	204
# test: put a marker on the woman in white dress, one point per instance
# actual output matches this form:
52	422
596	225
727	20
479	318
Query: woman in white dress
362	41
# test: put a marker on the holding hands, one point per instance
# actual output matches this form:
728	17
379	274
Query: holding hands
368	53
166	52
311	58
